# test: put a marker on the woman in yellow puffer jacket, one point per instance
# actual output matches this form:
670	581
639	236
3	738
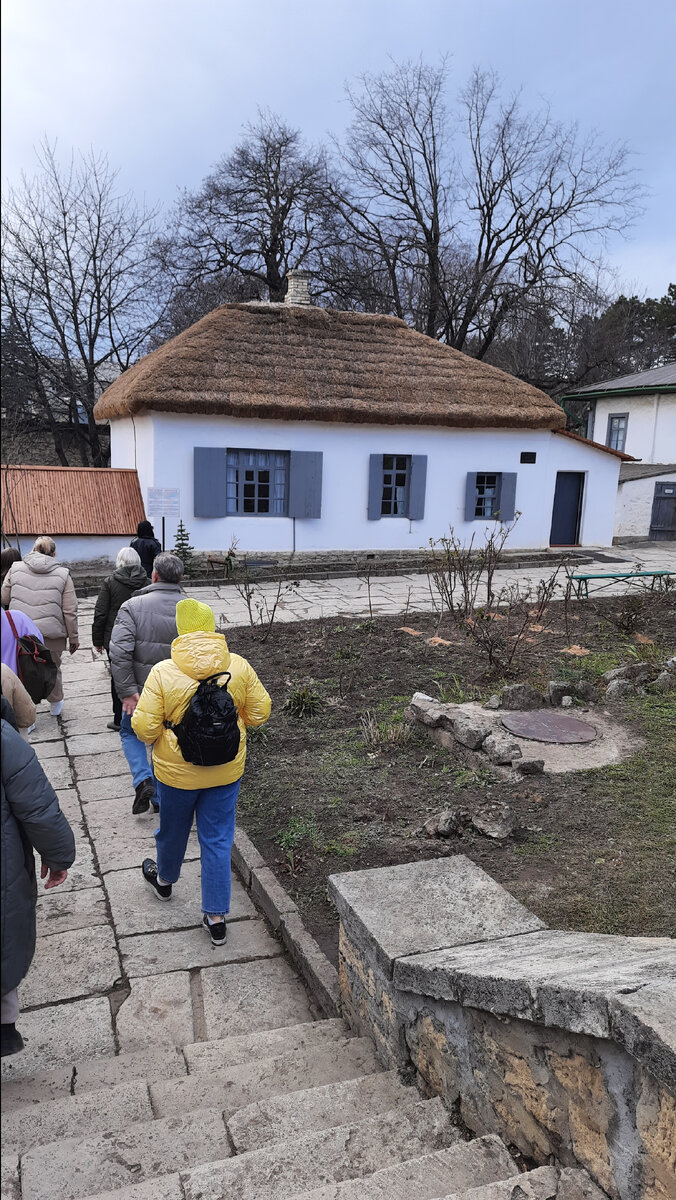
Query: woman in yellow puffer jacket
185	790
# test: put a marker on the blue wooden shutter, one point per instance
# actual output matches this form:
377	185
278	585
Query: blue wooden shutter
305	484
375	503
507	496
470	496
416	496
209	479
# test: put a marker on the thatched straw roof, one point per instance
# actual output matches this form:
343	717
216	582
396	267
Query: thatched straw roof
302	363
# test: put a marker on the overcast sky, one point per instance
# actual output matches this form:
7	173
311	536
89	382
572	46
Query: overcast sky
164	86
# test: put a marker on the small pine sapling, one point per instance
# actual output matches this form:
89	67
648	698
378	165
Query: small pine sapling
183	550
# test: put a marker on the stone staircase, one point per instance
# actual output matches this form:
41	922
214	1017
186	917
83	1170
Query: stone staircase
297	1110
159	1067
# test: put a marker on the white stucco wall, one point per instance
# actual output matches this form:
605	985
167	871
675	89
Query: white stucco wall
635	505
132	443
164	458
79	549
651	428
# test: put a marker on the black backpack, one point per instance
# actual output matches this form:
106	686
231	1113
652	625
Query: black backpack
35	666
208	733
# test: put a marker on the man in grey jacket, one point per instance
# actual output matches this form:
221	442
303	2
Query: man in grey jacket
142	635
31	819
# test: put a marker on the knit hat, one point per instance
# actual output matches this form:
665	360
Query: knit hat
192	615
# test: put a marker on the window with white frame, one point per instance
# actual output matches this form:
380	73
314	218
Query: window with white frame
257	483
396	485
487	502
617	431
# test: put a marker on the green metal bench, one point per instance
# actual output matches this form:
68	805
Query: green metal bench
582	581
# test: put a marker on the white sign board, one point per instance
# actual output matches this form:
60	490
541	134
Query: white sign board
164	502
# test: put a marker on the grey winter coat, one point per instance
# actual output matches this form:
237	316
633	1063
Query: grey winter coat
31	819
142	635
42	589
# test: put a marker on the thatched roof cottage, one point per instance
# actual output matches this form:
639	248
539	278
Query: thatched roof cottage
297	427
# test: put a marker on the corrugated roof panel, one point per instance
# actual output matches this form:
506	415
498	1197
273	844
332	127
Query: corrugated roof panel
70	501
656	377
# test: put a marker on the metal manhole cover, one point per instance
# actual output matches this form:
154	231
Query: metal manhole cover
549	727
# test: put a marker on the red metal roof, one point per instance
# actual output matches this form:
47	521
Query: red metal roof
70	501
595	445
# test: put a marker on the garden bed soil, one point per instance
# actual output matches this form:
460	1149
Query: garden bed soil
594	850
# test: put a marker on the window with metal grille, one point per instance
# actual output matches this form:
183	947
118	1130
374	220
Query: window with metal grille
617	431
487	495
396	485
257	483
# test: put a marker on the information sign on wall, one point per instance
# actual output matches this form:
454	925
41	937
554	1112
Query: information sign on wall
164	502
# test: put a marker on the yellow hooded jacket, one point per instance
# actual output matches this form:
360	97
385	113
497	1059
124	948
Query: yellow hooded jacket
167	693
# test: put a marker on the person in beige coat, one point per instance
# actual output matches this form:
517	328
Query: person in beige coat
43	589
16	694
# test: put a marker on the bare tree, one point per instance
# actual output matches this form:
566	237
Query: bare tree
256	216
78	283
539	199
465	213
394	199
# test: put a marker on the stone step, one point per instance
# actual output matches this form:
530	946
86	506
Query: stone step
544	1183
90	1075
156	1063
109	1109
280	1117
247	1047
464	1165
231	1088
77	1167
161	1187
346	1152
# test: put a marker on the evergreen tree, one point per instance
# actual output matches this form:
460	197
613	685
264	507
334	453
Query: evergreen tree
183	550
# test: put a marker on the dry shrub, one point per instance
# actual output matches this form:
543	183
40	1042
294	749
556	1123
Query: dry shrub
383	733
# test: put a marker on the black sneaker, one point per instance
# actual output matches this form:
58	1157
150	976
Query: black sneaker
12	1041
149	871
114	726
217	931
145	792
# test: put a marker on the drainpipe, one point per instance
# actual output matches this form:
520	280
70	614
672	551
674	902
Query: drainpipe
656	407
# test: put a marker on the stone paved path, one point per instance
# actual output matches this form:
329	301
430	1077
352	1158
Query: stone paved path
390	595
111	961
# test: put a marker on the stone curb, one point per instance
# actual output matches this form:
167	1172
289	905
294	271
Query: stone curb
274	901
315	568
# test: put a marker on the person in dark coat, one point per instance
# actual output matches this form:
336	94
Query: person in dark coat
31	820
146	546
127	578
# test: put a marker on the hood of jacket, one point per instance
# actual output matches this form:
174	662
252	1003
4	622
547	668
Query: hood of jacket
133	576
160	586
200	654
41	563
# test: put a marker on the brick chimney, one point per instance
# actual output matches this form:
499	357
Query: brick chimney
298	290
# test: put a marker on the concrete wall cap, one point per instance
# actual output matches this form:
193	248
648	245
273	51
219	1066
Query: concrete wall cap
418	907
616	988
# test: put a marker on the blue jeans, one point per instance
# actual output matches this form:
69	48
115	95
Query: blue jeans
135	752
214	809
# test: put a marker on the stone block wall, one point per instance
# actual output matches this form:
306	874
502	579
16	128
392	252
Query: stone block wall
564	1044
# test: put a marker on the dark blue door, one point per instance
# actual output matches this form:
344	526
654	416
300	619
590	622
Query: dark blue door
567	508
663	519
